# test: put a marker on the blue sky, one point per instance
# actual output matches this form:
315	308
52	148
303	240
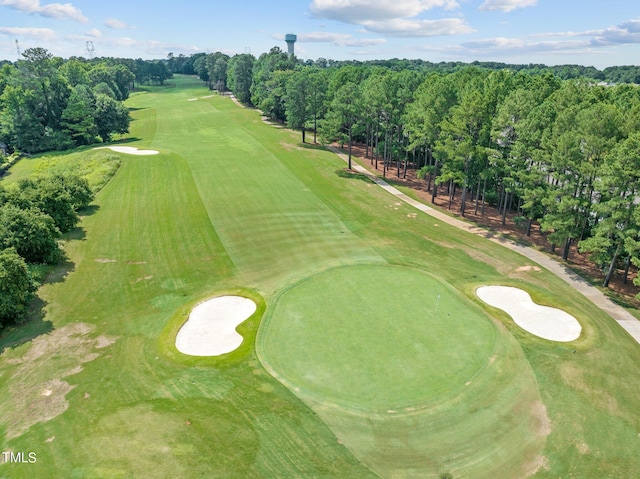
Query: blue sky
599	33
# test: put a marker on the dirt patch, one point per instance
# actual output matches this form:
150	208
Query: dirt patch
105	260
527	268
37	391
583	448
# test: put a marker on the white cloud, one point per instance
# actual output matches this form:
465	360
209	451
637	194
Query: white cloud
94	33
420	28
507	5
51	10
359	11
340	39
45	34
116	24
519	45
623	34
396	18
153	48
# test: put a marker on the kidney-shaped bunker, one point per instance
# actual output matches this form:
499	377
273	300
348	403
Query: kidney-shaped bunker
543	321
211	327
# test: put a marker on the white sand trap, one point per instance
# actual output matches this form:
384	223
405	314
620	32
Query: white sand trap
543	321
211	327
130	150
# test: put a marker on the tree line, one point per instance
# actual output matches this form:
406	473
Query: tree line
47	103
564	153
34	213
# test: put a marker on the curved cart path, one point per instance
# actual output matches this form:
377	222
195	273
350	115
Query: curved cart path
628	322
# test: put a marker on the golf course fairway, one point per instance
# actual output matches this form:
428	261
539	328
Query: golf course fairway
369	354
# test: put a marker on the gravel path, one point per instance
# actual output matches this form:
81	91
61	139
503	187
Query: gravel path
628	322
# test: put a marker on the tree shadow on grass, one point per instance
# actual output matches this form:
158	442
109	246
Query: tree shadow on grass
123	140
89	210
313	146
35	325
353	175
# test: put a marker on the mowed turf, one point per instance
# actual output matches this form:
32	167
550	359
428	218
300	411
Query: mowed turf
270	221
376	338
412	376
179	227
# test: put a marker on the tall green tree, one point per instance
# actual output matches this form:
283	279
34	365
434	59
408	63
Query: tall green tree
343	115
617	230
78	117
111	117
298	99
17	287
32	234
240	76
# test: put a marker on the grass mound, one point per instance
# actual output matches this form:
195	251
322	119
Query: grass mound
410	375
376	337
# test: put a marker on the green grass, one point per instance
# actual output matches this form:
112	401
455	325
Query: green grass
233	205
97	166
408	338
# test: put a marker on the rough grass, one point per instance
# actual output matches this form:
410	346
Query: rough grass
223	208
96	166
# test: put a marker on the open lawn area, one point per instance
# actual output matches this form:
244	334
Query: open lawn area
368	355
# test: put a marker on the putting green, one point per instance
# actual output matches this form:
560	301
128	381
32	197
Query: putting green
376	337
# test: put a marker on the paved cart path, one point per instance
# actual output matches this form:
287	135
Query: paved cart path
630	324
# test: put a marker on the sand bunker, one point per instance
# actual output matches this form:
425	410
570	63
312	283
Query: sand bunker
129	150
211	327
543	321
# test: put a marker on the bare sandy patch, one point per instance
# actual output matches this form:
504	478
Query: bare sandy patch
211	327
105	260
192	99
527	268
129	150
37	392
543	321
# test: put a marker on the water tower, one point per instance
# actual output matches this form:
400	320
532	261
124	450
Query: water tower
290	38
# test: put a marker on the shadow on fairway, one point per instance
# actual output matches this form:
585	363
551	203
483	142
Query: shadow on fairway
353	175
124	140
34	326
89	210
313	146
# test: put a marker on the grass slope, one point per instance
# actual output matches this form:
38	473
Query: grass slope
223	207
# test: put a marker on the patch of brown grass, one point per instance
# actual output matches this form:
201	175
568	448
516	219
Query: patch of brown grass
37	391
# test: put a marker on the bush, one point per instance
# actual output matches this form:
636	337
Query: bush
16	287
31	233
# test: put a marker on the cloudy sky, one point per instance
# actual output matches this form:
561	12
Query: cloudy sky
588	32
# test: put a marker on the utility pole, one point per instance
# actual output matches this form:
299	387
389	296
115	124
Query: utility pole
18	49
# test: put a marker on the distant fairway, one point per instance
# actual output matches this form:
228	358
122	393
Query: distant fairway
376	337
374	377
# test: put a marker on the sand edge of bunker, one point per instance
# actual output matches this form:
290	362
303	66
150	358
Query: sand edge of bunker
210	329
129	150
543	321
247	329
